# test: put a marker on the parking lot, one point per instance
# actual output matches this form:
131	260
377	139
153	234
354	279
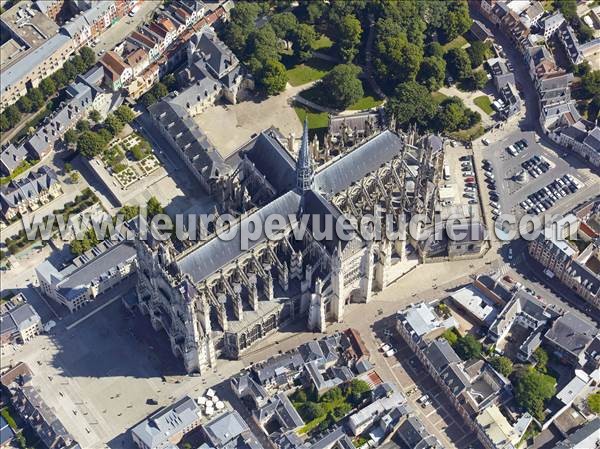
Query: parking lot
533	178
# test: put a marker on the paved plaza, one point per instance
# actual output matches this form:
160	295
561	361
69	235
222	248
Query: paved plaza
230	126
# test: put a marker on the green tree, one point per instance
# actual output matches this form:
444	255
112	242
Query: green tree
129	212
87	242
70	71
241	24
342	86
457	20
170	81
113	124
532	390
24	104
74	176
434	49
37	99
315	11
82	125
451	336
502	364
159	90
125	114
5	124
432	72
468	347
358	390
396	59
593	402
13	115
154	207
541	360
458	63
593	108
478	79
60	78
284	25
311	411
299	396
48	87
148	99
88	56
303	38
273	77
95	116
568	8
68	167
350	32
411	104
79	64
90	144
70	137
478	52
590	84
262	46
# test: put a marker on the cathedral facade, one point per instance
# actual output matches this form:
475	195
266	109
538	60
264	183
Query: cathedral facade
215	299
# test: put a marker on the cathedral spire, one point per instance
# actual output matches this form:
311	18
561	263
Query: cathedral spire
304	169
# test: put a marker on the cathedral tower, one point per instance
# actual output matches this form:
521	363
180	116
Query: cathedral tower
304	168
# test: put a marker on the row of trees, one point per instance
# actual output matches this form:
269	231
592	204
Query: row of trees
412	104
36	98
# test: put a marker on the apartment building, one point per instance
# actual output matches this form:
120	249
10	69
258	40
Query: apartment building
89	275
19	322
29	193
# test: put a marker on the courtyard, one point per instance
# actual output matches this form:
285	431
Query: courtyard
229	126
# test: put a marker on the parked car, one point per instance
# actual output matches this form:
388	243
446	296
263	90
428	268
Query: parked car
469	179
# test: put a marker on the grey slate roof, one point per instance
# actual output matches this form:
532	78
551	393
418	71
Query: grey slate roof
27	188
272	160
225	428
358	163
414	435
189	137
98	267
275	366
156	430
571	333
280	406
441	354
11	157
219	58
200	262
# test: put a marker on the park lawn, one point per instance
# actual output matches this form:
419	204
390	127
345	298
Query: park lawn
312	70
470	134
457	42
316	120
368	101
484	103
322	43
438	97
